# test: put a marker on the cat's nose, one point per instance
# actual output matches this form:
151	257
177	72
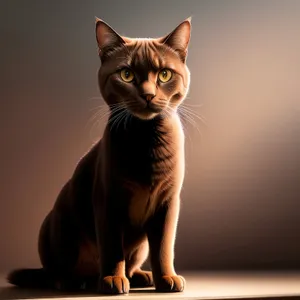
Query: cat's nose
148	97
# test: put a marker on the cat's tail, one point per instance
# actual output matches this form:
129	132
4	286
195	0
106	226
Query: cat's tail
30	278
41	279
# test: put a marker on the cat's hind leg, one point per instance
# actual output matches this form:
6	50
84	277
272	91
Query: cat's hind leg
137	276
59	249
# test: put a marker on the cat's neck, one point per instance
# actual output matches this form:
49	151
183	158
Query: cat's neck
132	125
142	146
136	136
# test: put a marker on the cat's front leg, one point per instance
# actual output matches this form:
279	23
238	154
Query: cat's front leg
109	233
161	234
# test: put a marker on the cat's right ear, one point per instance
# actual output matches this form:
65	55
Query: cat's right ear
107	38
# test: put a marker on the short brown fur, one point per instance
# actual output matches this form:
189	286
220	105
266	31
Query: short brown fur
124	196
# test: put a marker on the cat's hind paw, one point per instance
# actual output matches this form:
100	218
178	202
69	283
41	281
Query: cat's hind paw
113	285
141	278
167	284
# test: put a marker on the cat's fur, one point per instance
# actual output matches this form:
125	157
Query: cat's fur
124	196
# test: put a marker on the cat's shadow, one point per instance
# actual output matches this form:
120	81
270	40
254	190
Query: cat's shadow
12	293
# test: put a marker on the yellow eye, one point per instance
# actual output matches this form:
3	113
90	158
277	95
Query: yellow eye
127	75
165	75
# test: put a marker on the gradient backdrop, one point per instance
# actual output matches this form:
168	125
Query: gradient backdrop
241	198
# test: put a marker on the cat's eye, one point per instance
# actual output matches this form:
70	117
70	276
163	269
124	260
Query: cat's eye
165	75
127	75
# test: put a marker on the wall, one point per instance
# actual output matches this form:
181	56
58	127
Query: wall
241	194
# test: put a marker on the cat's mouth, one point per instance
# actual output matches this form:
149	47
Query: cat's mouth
154	109
146	111
150	111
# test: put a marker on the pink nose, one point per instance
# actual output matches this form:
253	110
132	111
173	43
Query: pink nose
148	97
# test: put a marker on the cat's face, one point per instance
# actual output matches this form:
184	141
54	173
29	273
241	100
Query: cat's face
146	76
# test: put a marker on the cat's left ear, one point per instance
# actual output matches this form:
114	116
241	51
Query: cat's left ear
179	38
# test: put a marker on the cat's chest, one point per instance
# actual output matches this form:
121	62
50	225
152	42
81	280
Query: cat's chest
146	159
146	163
143	201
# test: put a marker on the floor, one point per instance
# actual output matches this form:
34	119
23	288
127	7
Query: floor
201	285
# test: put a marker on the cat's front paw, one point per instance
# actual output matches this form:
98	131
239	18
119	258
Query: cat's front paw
113	285
167	284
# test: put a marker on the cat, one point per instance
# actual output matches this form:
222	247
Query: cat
123	199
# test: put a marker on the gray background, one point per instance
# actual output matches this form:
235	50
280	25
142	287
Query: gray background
242	189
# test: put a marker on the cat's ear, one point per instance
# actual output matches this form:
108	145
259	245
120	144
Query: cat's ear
107	38
179	38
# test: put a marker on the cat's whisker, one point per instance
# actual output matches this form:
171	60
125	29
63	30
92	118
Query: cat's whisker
186	113
94	116
194	111
103	112
186	117
98	107
169	111
99	115
118	107
119	117
111	123
190	121
103	107
122	119
114	117
192	105
127	119
95	98
186	132
184	124
194	114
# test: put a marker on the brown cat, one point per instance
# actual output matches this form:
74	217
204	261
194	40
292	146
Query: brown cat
124	196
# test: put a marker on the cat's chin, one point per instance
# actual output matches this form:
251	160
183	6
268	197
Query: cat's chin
145	115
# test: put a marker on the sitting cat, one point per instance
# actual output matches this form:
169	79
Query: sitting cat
124	196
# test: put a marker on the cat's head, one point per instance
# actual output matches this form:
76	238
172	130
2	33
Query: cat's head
147	76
